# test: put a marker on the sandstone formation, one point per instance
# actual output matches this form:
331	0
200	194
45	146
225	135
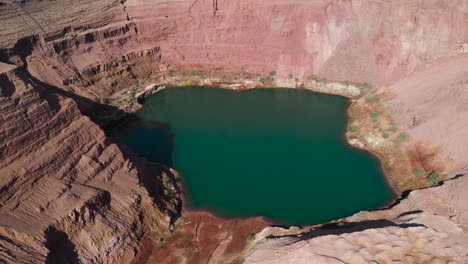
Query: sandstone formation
70	194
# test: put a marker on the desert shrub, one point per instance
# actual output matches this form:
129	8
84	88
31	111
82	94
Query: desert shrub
434	178
196	73
403	136
374	114
419	172
372	99
323	80
131	95
354	129
250	237
392	129
385	135
273	73
262	80
366	85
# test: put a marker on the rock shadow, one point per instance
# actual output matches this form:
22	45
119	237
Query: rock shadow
347	228
152	140
7	88
150	146
61	249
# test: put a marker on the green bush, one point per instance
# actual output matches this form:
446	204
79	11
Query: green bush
323	80
262	80
434	178
196	73
354	129
385	135
273	73
251	237
366	85
419	172
131	95
403	136
372	99
374	114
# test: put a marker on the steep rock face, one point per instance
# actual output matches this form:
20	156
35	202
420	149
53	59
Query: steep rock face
67	192
376	40
360	40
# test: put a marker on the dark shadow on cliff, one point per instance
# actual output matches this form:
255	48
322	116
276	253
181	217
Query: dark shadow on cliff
7	88
150	146
152	140
347	228
61	249
101	114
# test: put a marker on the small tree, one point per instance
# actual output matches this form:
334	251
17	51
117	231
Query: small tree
251	237
403	136
434	178
419	172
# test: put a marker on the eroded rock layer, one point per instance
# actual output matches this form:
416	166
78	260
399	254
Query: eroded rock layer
67	192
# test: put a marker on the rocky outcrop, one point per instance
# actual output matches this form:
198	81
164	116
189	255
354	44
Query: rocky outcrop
67	192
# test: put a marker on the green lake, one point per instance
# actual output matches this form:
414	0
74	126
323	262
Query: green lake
278	153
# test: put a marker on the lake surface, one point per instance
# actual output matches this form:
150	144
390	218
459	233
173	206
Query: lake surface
278	153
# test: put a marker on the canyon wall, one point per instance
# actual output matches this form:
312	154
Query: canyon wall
69	194
96	44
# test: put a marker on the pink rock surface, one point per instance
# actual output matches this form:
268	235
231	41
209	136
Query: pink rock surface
432	105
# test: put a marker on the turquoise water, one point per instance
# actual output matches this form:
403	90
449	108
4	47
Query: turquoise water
278	153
